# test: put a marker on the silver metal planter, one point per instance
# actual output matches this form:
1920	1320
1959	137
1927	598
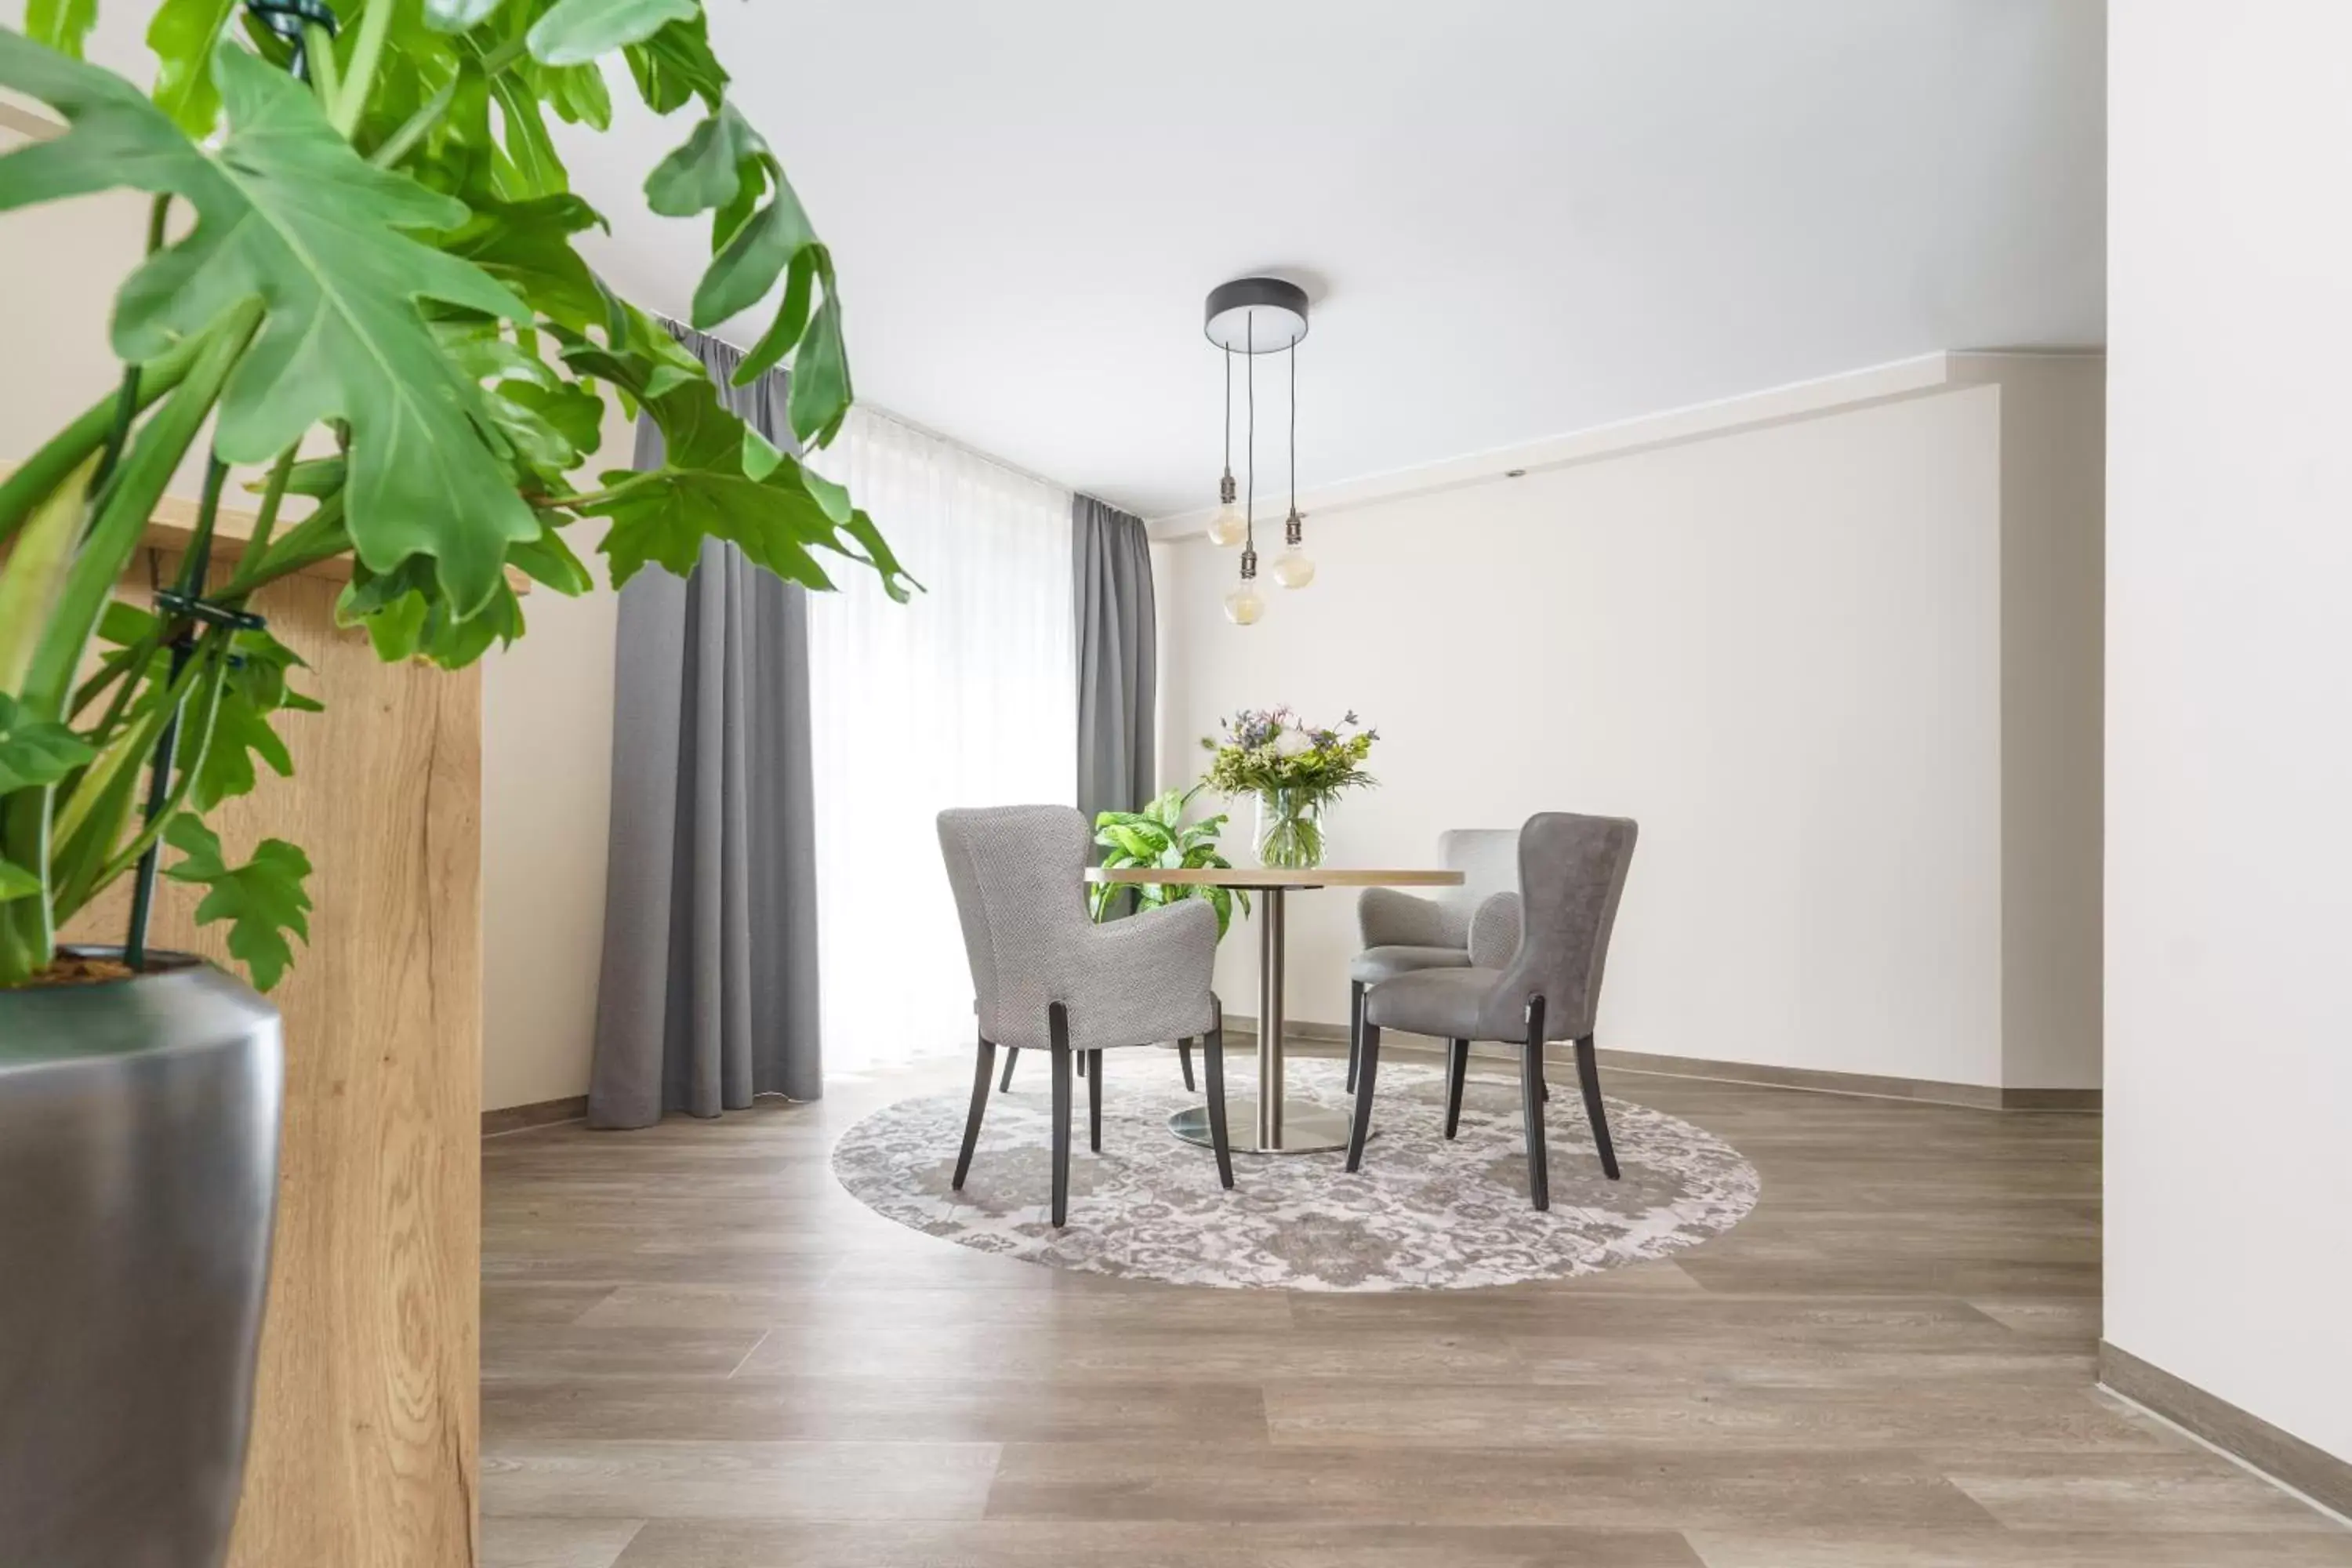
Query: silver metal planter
138	1177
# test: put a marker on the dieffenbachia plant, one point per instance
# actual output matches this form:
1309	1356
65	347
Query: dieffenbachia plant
361	272
1158	836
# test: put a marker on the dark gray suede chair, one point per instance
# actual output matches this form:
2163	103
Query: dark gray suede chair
1572	873
1404	934
1045	976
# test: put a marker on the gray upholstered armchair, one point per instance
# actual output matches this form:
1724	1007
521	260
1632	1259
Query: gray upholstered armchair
1046	977
1572	873
1404	935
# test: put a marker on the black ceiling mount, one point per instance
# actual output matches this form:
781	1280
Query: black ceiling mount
1256	315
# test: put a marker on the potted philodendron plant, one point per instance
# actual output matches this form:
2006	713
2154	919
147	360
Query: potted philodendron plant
1160	837
360	281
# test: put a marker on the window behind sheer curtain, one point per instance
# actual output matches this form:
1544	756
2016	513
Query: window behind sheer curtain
965	697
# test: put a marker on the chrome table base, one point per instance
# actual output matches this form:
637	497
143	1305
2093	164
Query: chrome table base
1270	1122
1304	1128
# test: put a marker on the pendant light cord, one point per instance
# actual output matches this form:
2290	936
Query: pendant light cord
1249	381
1294	426
1229	412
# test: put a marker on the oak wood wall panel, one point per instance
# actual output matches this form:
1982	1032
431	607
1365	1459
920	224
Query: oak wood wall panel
366	1431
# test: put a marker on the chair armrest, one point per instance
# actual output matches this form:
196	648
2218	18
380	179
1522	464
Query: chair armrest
1494	927
1140	979
1386	917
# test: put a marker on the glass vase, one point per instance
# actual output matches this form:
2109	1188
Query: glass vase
1289	830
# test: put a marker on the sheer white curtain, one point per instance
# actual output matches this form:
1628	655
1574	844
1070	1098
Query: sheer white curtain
968	696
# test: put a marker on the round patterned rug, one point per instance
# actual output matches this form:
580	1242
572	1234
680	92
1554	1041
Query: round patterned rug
1421	1215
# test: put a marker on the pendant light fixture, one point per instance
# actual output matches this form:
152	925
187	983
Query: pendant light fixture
1293	568
1244	604
1228	526
1256	316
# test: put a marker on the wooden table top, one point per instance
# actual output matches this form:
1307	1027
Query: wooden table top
1272	877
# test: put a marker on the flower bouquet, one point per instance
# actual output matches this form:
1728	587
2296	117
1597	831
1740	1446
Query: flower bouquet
1295	769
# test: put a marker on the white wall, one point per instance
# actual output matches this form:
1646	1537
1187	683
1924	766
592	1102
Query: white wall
2228	883
1780	649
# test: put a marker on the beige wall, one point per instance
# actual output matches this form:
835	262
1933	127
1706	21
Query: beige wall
59	266
547	750
547	719
2052	588
1787	651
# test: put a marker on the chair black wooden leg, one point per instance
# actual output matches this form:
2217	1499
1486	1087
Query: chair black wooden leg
1588	1073
1082	1064
1367	1068
1355	1029
1094	1102
1457	1068
1059	1027
1011	1054
1184	1057
1212	1062
979	1075
1531	1105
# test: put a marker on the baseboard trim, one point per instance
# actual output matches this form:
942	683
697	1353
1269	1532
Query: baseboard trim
541	1113
2282	1455
1814	1080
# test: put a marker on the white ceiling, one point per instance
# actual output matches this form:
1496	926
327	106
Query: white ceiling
1517	217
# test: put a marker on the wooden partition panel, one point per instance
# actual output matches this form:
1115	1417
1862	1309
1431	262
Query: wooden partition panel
366	1424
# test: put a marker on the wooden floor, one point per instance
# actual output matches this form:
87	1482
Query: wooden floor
699	1352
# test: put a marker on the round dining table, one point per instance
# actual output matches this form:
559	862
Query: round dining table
1272	1123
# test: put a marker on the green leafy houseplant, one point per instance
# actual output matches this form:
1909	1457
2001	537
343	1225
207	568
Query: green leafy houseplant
362	270
1159	837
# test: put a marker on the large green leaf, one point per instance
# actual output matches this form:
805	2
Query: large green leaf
263	899
184	35
708	171
706	487
820	395
241	733
62	25
548	558
532	169
35	750
675	65
253	687
16	882
578	93
575	31
527	246
777	241
740	275
288	212
717	479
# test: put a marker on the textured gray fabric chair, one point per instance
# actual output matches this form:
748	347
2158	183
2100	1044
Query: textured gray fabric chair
1404	934
1572	875
1183	1055
1045	977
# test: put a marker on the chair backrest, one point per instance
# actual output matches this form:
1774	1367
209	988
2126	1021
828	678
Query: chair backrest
1018	872
1572	873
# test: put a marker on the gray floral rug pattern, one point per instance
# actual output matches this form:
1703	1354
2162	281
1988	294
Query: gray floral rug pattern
1421	1215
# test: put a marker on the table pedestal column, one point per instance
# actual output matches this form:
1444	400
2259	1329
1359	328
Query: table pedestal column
1271	1123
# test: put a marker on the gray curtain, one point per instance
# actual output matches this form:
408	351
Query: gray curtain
1110	587
709	994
